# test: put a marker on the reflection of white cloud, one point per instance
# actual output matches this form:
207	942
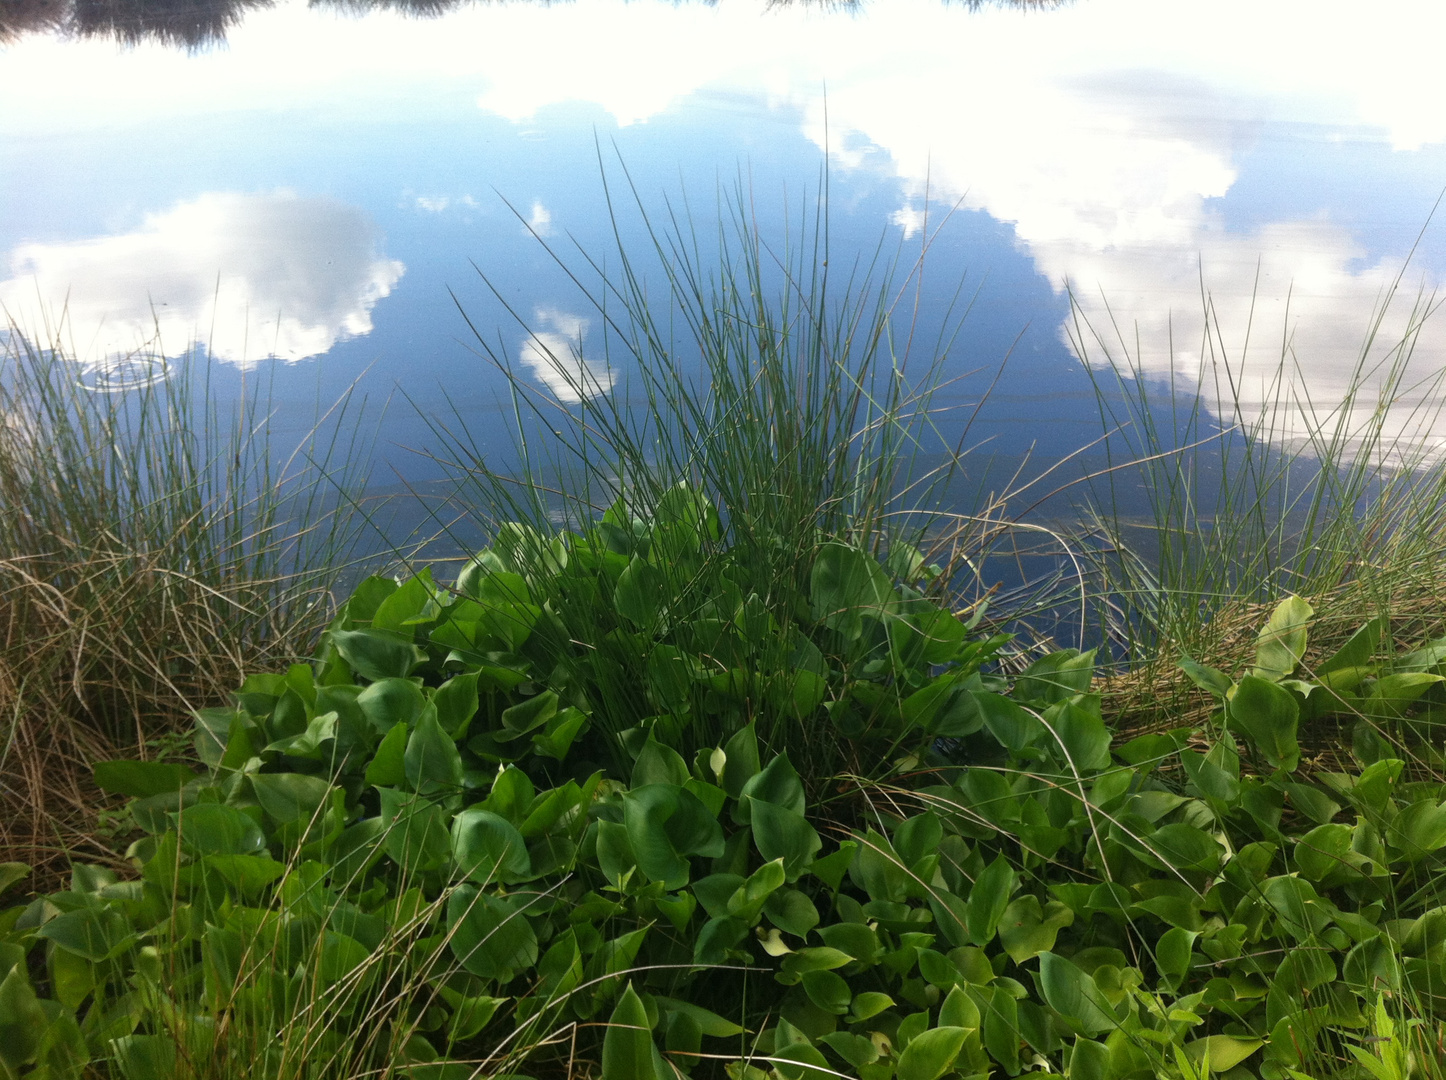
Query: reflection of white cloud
553	352
541	220
250	276
910	219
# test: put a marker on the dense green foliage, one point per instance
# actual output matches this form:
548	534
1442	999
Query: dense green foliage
465	842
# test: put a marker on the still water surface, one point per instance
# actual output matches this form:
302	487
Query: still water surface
305	187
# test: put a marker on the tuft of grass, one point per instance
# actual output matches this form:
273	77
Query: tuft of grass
772	379
154	548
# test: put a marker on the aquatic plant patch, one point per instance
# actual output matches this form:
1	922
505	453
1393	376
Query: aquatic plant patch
434	853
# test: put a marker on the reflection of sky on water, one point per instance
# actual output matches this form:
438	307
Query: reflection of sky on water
251	275
1110	146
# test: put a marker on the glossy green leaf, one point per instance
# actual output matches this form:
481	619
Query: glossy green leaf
639	593
488	849
1282	641
929	1055
376	654
988	897
388	766
741	760
1267	715
290	797
828	991
431	760
1026	929
627	1051
1074	995
659	764
1220	1053
22	1020
1206	678
845	585
780	833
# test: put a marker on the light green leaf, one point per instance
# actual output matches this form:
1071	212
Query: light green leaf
1282	642
432	760
1074	995
929	1055
627	1052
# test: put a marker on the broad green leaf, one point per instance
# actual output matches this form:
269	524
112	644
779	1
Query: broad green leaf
1026	930
1357	652
659	764
389	702
213	829
405	603
415	831
22	1020
146	1057
828	991
959	1010
1010	723
1082	735
781	833
709	1022
777	784
488	848
1172	955
1419	829
1185	848
1267	715
490	936
456	701
290	797
11	873
1220	1053
1056	677
1323	850
388	767
94	933
1074	995
640	591
868	1005
988	897
792	912
248	874
845	585
1282	641
1206	678
741	762
376	654
141	779
431	760
627	1051
929	1055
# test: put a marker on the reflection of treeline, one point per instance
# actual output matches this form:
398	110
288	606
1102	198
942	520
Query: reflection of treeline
197	23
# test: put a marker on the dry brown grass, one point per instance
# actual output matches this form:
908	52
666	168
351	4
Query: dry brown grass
154	548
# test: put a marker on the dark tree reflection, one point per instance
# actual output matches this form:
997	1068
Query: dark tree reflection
197	24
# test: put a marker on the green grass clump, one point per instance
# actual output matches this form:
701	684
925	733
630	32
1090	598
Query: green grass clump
153	548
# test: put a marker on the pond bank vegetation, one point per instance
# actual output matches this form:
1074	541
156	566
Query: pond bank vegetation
717	760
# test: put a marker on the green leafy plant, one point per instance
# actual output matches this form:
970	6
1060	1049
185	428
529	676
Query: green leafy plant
410	857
